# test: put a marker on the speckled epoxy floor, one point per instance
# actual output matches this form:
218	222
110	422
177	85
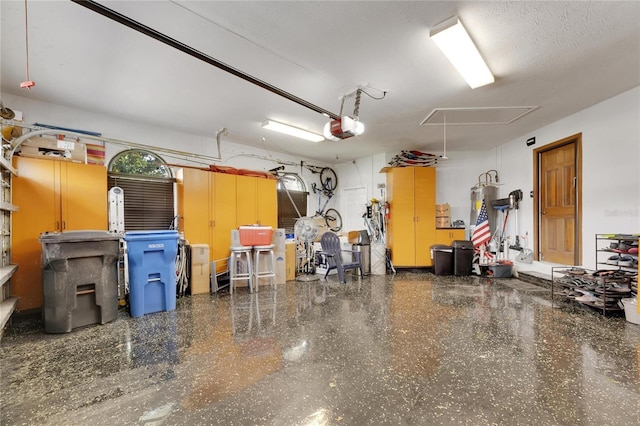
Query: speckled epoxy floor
411	349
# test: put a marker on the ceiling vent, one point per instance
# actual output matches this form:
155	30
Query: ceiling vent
476	115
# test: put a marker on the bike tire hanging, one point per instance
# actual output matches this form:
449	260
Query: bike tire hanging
328	179
333	219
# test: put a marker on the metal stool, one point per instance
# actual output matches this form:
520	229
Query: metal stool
234	274
269	269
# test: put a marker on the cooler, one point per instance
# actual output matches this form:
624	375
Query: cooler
256	235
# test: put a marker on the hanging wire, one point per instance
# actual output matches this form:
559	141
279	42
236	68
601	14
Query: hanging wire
26	36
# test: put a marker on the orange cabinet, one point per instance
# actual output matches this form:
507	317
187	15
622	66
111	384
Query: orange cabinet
211	204
207	209
52	196
257	201
411	192
447	235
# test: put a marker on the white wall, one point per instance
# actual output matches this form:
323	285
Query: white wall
232	154
610	165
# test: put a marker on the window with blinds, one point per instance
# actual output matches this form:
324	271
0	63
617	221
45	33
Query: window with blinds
287	214
148	203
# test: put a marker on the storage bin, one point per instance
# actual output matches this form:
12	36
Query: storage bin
442	257
80	279
631	310
462	257
500	270
256	235
152	271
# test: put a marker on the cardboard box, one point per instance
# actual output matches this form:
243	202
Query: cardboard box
200	269
443	210
290	260
443	222
256	235
53	149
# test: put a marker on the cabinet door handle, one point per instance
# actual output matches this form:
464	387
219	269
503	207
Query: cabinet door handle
58	225
64	225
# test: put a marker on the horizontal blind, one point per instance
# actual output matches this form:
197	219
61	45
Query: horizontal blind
287	214
148	203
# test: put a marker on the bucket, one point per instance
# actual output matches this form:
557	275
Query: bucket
631	310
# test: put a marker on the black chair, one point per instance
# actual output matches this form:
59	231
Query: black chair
331	249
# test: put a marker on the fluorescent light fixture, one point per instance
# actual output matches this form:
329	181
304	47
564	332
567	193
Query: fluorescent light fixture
292	131
454	41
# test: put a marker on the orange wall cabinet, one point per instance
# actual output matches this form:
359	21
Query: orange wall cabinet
207	209
447	235
412	224
52	196
257	201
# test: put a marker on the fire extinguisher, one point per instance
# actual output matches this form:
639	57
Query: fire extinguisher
387	211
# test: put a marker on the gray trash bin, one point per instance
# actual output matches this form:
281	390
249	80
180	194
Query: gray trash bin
462	257
442	257
360	242
79	279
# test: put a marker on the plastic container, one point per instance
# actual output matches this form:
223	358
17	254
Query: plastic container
152	271
631	310
442	257
79	278
256	235
462	257
500	270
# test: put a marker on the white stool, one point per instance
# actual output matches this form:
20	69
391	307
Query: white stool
234	275
269	269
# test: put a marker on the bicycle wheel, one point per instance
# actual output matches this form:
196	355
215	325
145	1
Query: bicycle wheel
333	219
328	179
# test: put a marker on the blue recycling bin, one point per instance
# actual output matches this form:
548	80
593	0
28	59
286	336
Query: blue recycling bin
152	271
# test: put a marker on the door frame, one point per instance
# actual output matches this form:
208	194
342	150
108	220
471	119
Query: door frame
577	140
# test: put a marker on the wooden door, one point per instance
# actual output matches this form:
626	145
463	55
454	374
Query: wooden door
38	211
401	231
223	206
267	202
83	195
425	201
246	202
557	201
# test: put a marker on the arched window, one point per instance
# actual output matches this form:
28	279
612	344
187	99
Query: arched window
147	183
292	194
140	163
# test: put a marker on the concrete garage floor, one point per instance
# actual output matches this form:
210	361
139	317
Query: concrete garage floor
409	349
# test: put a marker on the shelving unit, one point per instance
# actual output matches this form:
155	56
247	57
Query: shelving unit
604	250
7	269
600	288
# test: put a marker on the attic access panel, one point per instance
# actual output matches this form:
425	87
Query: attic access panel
476	115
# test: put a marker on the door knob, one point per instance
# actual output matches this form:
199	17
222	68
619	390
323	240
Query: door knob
544	212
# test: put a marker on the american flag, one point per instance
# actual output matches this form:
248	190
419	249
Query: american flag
481	234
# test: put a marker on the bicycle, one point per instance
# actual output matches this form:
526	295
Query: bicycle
331	216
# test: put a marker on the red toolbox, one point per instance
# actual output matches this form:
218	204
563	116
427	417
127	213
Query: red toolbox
256	235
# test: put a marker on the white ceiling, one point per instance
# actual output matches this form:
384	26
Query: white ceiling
558	56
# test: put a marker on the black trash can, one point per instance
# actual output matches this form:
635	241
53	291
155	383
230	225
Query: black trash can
79	278
442	257
462	257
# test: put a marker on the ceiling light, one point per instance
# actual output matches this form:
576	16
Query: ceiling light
457	46
292	131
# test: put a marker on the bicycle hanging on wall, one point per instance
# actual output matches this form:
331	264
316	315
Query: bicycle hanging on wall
328	182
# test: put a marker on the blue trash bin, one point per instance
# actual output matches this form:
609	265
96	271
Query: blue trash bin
152	271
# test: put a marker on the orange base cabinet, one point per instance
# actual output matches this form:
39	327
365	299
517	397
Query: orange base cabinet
51	196
447	235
